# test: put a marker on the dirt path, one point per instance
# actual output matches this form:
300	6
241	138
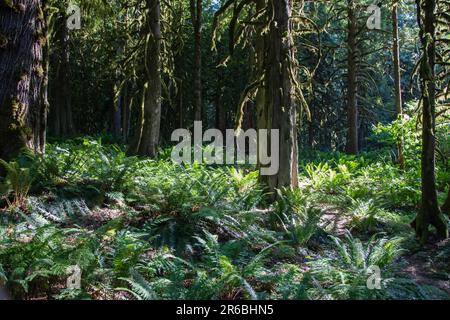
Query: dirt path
430	266
333	220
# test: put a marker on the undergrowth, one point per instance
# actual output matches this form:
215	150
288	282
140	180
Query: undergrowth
152	229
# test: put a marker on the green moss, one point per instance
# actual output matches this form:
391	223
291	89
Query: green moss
40	14
27	131
42	40
39	71
23	76
21	128
16	108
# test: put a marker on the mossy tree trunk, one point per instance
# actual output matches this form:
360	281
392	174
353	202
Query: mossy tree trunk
280	110
221	111
397	78
196	7
430	213
262	111
152	106
352	103
23	76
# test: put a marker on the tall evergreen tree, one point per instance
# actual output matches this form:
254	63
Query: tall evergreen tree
430	213
152	103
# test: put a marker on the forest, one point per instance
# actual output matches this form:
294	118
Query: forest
224	149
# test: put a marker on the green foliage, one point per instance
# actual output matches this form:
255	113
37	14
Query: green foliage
152	229
17	182
345	275
299	220
34	258
363	215
325	178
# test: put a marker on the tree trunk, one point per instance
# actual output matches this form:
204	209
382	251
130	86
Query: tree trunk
117	117
127	103
152	107
429	213
221	111
44	106
23	72
397	79
137	137
352	105
282	112
197	17
180	104
61	112
262	110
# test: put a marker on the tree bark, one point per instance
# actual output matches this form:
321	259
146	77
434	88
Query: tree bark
197	20
220	108
137	137
23	74
262	110
430	213
118	108
221	111
127	102
282	112
152	107
397	79
180	103
352	104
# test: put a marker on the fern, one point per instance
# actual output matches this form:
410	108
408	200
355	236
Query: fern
345	276
18	181
140	288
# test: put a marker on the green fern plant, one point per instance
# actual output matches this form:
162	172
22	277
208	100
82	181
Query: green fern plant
18	181
140	289
363	215
345	276
298	219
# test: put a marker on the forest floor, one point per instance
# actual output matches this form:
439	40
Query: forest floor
144	229
430	266
427	265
